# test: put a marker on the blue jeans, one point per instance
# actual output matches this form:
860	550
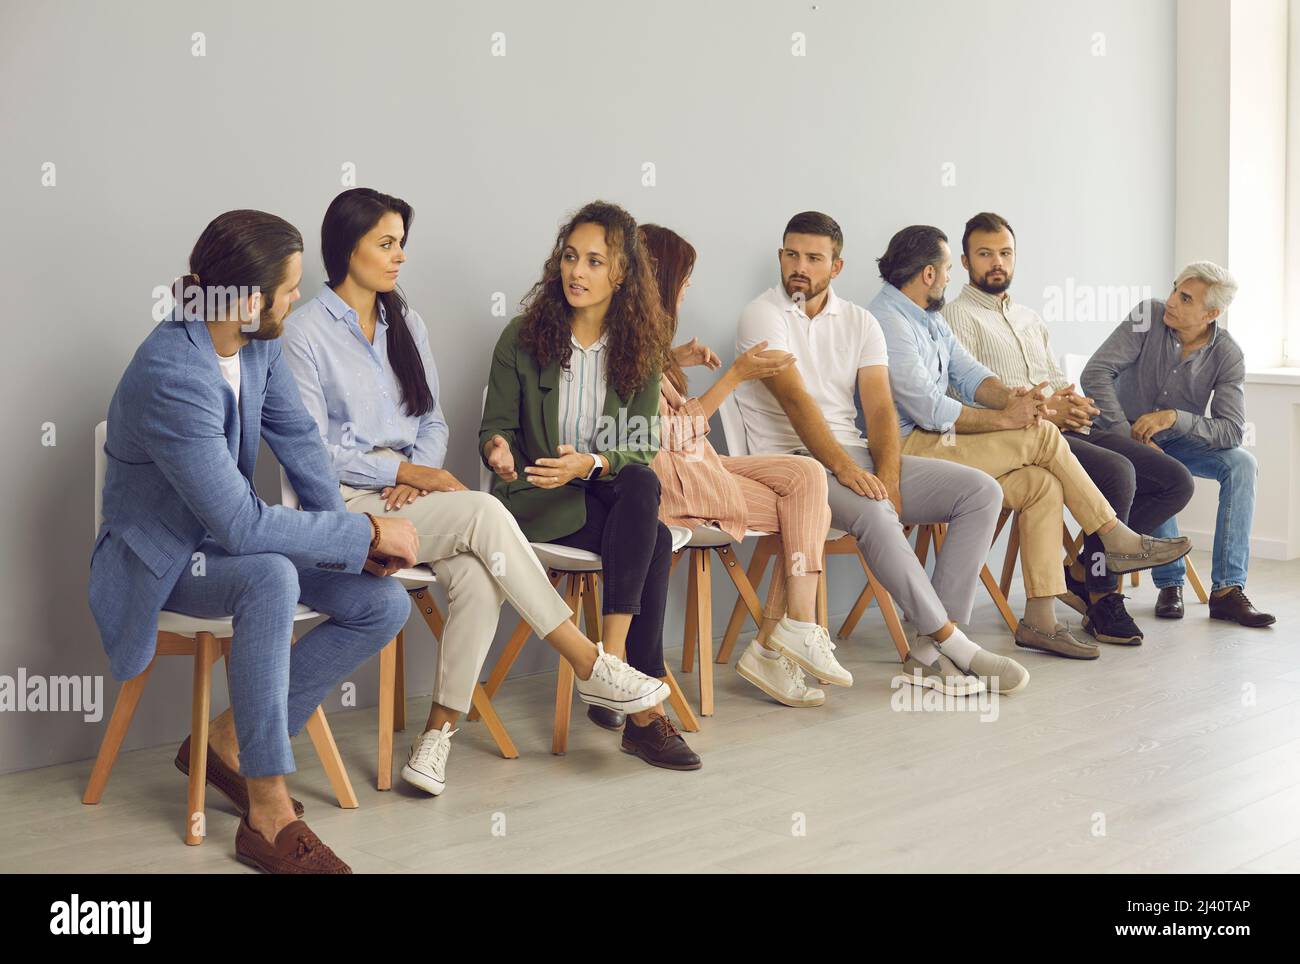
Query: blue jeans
1236	472
276	687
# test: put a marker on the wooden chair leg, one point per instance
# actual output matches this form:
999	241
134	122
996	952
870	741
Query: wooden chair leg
429	610
322	739
999	599
702	569
892	622
387	681
677	700
564	678
763	552
1135	578
1194	578
923	535
1013	551
487	712
744	588
205	651
690	630
128	698
851	620
823	606
399	684
514	646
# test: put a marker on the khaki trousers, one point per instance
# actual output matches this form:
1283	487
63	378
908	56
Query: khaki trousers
1039	475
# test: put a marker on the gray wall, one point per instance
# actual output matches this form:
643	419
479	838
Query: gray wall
151	142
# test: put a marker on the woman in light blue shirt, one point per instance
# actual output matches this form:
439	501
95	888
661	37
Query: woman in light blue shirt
363	366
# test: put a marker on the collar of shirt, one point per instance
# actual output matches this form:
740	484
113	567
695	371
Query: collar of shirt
1002	302
1178	342
596	345
342	311
909	309
832	306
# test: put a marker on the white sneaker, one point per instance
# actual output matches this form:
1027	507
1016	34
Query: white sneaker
780	677
812	650
426	767
617	686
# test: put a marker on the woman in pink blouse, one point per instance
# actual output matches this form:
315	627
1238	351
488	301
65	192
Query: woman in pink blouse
765	493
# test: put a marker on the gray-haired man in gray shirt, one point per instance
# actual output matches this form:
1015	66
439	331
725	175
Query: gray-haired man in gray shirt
1154	378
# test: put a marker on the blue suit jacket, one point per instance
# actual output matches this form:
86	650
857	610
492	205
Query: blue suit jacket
181	455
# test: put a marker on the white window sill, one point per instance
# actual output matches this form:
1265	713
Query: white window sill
1273	376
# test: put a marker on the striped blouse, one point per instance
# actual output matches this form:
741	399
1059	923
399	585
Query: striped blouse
1009	339
695	488
582	394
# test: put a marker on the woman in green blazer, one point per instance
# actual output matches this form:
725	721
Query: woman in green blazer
573	401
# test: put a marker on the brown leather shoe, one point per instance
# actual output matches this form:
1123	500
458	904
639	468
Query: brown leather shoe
221	777
1169	603
296	851
660	744
1236	608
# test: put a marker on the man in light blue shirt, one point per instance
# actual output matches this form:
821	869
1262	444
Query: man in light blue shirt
999	430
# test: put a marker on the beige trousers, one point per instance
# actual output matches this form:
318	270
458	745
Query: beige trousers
481	558
1039	475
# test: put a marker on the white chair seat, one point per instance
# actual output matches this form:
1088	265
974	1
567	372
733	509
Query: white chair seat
706	537
566	558
183	625
421	575
569	559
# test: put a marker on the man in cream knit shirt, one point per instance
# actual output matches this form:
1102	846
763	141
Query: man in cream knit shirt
1142	484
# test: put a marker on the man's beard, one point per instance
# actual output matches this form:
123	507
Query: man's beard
265	330
994	287
804	294
934	302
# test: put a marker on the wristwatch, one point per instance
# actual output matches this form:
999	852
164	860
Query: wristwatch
596	468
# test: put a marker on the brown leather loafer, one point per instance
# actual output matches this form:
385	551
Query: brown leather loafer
221	777
1169	603
1236	608
296	851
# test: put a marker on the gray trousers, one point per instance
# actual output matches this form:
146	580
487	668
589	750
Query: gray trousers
967	499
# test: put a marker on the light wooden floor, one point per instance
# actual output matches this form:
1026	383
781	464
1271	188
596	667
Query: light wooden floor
1185	751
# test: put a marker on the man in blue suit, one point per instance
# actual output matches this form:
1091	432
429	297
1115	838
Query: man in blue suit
185	531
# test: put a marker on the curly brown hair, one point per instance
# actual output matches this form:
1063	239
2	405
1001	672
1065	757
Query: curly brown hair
638	330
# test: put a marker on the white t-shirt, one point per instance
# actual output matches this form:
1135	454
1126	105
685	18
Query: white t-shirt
829	349
230	372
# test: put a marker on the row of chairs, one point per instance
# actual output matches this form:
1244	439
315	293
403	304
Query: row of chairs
579	571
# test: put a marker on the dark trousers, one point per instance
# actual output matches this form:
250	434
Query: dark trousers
1143	485
636	552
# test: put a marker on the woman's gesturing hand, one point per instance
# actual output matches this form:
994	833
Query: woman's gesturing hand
570	464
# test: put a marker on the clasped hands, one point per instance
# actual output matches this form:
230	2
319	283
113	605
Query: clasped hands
1064	408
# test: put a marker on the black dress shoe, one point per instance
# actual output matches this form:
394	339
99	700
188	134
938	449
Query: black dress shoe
1236	608
660	745
604	716
1169	604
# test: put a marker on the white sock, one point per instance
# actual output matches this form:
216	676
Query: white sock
797	626
960	648
769	653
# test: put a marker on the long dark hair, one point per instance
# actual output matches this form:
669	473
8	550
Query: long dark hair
347	220
673	258
636	324
237	252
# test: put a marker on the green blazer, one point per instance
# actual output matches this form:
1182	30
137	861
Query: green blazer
522	406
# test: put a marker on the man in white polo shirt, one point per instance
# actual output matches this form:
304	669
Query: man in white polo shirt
809	409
